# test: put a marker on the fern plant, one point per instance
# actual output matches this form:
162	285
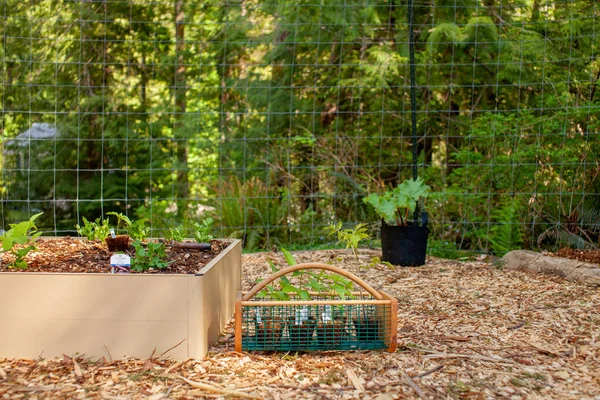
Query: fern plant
252	212
506	233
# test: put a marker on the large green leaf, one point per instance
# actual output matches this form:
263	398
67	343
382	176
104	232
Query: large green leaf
289	258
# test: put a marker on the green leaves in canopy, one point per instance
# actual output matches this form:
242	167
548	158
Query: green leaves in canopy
394	206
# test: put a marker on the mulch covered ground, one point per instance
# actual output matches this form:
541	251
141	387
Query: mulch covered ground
466	330
591	256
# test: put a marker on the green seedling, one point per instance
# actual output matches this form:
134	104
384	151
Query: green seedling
138	230
202	230
176	234
23	233
121	219
150	256
97	230
349	237
375	261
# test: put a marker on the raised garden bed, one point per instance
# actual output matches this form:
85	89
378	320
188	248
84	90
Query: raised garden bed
84	309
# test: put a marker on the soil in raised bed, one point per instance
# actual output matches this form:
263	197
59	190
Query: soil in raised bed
85	256
590	256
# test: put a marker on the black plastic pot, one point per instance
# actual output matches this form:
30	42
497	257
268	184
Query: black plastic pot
404	245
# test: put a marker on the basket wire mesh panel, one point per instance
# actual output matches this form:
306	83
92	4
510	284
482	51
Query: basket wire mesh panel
364	320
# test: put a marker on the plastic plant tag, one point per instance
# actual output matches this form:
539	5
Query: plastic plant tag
120	264
303	315
258	317
327	314
112	233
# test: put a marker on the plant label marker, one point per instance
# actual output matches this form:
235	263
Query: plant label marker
120	264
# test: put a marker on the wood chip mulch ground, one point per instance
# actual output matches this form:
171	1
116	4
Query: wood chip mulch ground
590	256
466	330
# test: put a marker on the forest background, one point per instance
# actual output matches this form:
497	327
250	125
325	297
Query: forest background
278	117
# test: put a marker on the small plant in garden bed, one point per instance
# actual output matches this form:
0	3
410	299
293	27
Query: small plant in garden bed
151	255
24	233
202	230
121	219
138	230
176	234
97	230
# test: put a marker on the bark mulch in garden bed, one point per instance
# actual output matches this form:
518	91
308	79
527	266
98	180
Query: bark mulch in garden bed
80	255
466	330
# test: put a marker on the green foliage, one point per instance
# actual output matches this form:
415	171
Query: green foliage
394	206
24	233
376	261
176	233
253	212
509	104
349	237
121	219
506	234
303	280
202	230
97	230
138	230
150	255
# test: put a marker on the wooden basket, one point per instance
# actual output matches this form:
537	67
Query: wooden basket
368	321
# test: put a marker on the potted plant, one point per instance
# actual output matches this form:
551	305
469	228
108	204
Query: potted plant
118	242
403	241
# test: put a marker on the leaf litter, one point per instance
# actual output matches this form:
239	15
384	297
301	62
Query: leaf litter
466	330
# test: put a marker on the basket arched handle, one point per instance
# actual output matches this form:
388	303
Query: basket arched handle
312	265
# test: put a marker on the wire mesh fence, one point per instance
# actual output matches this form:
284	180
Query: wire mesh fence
279	117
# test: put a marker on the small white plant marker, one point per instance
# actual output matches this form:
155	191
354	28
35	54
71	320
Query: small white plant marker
120	264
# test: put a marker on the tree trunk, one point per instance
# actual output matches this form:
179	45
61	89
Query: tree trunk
180	103
535	12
